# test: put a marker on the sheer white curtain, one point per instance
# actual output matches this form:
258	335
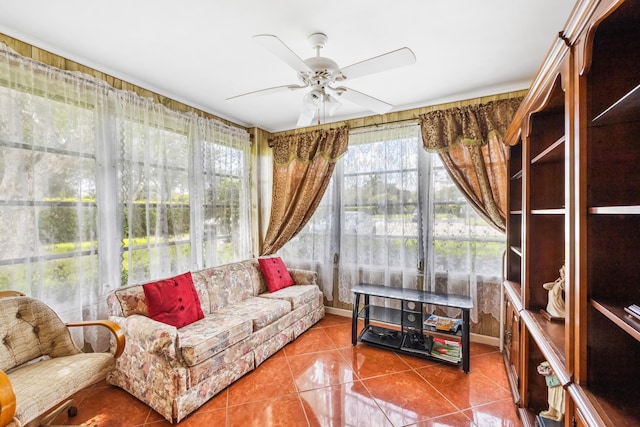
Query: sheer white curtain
100	188
48	219
463	253
184	190
379	178
315	246
154	188
220	189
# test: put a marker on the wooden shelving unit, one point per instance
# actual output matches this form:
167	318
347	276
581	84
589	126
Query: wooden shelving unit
574	200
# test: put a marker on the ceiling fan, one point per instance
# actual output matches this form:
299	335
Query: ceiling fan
322	75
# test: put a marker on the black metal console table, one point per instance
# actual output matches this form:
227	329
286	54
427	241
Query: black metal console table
413	337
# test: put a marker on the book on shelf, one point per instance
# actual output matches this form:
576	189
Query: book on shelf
447	350
444	324
634	311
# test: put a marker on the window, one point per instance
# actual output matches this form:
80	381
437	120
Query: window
379	176
403	222
100	187
226	208
463	253
48	230
155	196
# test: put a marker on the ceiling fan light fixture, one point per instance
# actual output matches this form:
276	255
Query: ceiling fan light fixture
312	99
332	104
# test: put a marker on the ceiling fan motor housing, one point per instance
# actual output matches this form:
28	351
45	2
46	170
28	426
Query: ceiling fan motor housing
323	71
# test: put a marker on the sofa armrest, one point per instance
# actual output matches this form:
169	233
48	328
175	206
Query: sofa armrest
7	400
303	277
113	327
156	337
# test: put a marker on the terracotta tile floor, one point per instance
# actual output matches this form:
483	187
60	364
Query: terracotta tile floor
320	379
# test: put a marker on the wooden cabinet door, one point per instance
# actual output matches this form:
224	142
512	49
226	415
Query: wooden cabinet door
512	348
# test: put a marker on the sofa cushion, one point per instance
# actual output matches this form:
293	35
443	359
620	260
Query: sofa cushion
275	273
297	295
228	284
228	356
132	300
201	283
261	311
201	340
173	301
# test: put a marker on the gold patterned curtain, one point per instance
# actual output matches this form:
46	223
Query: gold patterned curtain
469	141
302	167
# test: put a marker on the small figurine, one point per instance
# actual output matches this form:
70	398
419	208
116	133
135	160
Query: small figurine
555	306
556	393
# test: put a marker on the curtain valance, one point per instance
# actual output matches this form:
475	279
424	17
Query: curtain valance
328	144
472	125
469	141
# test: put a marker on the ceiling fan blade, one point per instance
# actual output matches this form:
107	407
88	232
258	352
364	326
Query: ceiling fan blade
267	91
386	61
369	102
274	45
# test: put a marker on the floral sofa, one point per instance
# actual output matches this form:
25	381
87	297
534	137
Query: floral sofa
177	369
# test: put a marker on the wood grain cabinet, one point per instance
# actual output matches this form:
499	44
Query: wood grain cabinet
512	346
574	201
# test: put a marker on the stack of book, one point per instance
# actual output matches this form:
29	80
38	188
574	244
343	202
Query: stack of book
443	324
634	311
447	350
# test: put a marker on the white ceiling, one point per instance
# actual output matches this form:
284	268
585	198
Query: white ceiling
201	52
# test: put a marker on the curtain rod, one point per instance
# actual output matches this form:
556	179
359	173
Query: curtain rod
415	115
98	82
344	123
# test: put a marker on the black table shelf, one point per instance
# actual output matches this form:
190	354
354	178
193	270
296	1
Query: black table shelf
381	314
410	320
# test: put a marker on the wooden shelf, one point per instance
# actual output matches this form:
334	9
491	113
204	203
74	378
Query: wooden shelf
617	315
513	291
586	408
575	137
613	407
550	337
553	153
626	109
554	211
615	210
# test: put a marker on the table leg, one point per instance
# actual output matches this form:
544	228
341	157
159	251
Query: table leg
367	307
354	319
466	341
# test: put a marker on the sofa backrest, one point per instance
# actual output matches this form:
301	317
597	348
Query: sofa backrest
217	287
231	283
31	329
128	300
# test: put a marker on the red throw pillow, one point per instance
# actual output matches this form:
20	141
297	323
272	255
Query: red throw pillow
173	301
275	273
